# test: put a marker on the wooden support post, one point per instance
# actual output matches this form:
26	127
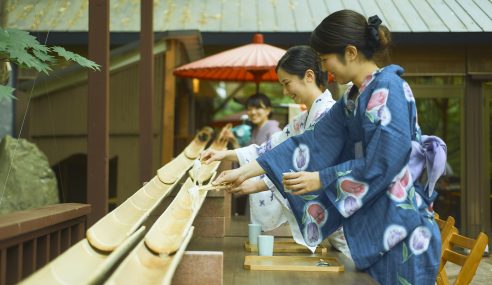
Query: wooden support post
474	200
183	103
98	111
146	84
167	150
185	116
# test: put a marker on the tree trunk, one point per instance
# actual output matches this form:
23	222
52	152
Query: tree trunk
3	14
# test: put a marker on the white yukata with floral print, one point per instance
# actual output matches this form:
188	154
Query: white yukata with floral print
270	208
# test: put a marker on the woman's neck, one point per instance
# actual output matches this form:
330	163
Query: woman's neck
314	93
363	71
261	124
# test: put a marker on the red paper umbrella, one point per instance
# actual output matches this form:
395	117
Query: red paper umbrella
252	62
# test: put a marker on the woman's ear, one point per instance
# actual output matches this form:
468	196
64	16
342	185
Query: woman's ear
309	76
351	53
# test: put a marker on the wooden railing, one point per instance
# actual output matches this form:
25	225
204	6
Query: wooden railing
30	239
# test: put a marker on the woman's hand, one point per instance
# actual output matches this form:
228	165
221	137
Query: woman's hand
301	182
248	187
233	178
211	155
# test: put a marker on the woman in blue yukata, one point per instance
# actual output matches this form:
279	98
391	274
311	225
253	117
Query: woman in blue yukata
358	168
299	72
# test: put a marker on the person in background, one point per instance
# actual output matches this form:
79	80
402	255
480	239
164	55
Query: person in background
259	111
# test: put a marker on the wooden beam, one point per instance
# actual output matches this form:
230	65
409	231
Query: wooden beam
183	118
146	85
167	150
98	111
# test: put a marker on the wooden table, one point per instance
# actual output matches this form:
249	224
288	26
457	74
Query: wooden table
235	274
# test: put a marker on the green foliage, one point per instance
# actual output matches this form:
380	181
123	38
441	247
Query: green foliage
272	89
80	60
21	48
230	108
6	92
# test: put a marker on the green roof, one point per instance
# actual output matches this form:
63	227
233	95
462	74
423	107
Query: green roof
254	15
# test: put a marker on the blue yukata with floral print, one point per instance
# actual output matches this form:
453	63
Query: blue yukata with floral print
361	149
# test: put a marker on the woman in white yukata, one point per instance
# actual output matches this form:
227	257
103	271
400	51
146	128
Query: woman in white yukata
299	72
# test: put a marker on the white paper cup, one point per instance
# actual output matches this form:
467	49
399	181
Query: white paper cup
254	230
265	245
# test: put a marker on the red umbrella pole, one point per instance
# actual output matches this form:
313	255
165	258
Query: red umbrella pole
257	74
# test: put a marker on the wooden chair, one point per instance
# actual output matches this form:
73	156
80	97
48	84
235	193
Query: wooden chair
446	228
469	263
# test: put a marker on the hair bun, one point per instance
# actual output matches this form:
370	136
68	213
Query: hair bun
373	32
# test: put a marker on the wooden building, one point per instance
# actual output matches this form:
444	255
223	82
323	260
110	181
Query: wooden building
57	116
445	47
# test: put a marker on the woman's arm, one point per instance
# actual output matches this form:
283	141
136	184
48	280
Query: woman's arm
244	154
301	182
387	136
311	151
251	152
211	155
237	176
249	187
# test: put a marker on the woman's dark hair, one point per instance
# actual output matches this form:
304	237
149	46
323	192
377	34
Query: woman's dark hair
347	27
259	100
298	59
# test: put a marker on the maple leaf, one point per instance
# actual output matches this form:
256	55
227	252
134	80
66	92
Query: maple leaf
80	60
21	48
6	92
